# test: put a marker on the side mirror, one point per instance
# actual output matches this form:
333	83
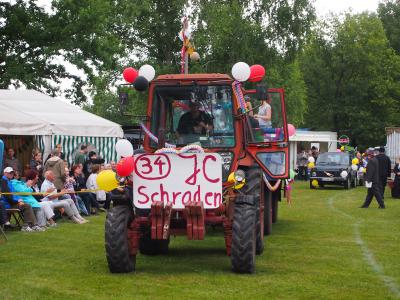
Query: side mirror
261	92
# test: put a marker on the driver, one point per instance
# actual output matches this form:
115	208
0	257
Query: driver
194	121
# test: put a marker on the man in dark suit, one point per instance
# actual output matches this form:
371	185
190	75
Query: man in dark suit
385	169
372	175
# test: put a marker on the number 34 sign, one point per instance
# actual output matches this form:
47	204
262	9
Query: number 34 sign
178	178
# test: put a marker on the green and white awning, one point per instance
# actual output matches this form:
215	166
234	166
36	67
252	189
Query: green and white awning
103	146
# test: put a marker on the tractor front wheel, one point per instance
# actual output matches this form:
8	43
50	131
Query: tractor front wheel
244	235
118	255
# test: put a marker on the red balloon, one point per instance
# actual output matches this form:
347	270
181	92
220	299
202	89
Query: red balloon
257	73
125	166
130	74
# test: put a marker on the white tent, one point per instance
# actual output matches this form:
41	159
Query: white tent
324	140
52	121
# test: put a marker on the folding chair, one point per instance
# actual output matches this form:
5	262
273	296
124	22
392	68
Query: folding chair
16	214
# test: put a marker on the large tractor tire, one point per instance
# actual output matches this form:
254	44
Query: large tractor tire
118	255
243	251
252	187
148	246
267	211
276	198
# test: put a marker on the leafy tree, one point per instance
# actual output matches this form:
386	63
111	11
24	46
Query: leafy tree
352	80
389	13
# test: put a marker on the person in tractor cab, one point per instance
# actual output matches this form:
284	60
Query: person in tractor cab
194	122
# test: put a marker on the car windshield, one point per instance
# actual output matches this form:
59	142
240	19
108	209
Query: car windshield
194	114
333	158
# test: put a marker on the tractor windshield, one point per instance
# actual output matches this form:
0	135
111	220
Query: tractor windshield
194	114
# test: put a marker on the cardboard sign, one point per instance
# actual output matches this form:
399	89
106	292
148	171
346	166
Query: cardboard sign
178	178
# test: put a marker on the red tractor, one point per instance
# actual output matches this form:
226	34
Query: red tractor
231	174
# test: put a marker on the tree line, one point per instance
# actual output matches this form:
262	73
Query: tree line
340	73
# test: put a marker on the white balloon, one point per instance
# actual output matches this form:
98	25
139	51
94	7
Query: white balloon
361	169
124	148
241	71
147	72
195	56
343	174
354	167
311	159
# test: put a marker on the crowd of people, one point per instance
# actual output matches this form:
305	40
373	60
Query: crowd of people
47	190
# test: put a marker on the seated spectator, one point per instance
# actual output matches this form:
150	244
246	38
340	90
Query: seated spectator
91	184
64	202
40	210
32	178
3	215
69	186
89	199
14	201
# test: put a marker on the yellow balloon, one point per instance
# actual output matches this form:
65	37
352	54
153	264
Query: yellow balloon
314	183
311	165
231	177
355	161
342	148
106	180
365	170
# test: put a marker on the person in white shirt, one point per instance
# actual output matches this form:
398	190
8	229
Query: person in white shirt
64	202
264	115
91	184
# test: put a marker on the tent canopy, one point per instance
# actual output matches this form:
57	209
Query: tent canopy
29	112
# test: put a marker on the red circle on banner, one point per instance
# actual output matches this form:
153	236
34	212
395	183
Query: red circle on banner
257	72
125	166
130	74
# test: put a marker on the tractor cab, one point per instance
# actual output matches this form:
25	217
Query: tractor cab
205	110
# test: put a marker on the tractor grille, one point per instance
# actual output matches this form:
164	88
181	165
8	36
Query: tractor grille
323	174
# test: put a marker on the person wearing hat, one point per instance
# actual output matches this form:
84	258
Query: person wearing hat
385	169
14	201
372	176
92	160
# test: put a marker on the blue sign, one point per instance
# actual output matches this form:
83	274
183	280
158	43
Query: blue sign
1	155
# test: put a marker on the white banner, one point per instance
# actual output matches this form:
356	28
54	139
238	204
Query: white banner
178	178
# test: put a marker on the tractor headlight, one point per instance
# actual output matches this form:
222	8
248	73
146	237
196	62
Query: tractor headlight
239	175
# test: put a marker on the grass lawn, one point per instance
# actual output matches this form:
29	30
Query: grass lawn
323	247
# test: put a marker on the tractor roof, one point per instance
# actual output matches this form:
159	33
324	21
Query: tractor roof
182	77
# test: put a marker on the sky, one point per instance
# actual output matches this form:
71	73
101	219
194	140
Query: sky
324	7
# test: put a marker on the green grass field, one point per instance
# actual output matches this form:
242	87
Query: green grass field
323	247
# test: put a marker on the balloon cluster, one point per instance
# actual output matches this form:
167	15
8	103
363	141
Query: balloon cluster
354	164
311	162
108	180
242	72
140	79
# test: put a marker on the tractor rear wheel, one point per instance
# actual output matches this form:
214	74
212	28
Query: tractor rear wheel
148	246
118	255
243	251
252	187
